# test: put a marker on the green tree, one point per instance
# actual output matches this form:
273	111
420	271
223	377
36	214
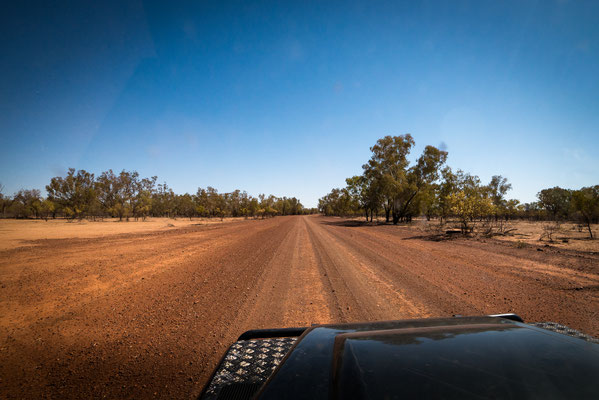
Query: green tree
5	201
586	202
429	201
215	203
163	201
363	195
532	211
447	187
143	204
498	187
468	207
387	167
47	208
233	201
398	185
338	202
107	188
26	203
470	201
254	206
556	201
186	206
219	202
512	208
74	193
127	182
129	195
141	200
419	178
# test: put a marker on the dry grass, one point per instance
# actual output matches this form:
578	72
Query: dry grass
17	233
566	235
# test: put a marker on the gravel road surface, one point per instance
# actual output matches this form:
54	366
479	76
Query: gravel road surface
149	314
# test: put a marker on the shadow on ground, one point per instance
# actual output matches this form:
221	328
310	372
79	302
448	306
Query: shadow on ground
432	236
349	224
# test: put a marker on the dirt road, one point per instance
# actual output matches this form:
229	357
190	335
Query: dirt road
149	314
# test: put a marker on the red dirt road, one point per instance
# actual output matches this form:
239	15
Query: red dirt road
149	314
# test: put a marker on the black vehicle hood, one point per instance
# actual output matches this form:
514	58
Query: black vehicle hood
470	357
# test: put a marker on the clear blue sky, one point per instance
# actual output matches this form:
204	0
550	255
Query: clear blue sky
287	98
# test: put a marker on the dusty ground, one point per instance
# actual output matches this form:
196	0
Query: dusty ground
149	314
564	235
26	232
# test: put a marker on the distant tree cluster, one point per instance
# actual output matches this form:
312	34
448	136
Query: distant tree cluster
564	204
126	195
390	185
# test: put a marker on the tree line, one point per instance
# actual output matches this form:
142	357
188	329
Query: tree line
400	191
80	194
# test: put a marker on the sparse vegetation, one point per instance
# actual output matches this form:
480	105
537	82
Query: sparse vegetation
549	230
432	189
521	245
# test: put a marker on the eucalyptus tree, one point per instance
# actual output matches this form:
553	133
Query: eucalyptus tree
26	203
5	201
107	187
365	196
75	193
418	178
470	201
586	202
556	201
387	168
498	187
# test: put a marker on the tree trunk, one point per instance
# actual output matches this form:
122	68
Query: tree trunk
589	227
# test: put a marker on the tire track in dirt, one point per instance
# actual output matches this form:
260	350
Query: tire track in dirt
152	337
359	293
289	292
306	303
403	267
149	315
90	267
456	279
